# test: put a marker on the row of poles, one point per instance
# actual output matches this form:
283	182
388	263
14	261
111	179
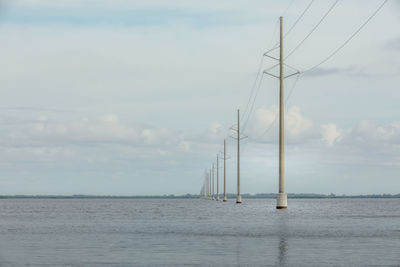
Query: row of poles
281	201
208	185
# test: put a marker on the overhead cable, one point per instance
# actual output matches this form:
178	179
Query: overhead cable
252	105
348	39
299	18
286	100
313	29
294	25
253	87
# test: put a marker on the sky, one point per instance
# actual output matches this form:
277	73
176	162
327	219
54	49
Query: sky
136	97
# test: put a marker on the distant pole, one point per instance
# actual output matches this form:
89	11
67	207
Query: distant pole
209	178
281	201
206	186
239	197
225	199
217	178
204	189
212	196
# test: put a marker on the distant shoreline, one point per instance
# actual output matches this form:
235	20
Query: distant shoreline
190	196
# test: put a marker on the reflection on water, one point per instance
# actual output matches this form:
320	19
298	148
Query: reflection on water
282	226
238	249
282	251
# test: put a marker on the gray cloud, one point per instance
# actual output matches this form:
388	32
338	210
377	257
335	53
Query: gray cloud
393	44
349	71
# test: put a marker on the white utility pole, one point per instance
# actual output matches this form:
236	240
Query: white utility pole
203	188
238	197
281	201
225	198
209	183
206	185
238	138
217	178
212	196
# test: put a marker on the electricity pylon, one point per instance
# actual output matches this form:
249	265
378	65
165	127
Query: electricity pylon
281	201
225	198
217	198
212	181
209	178
238	138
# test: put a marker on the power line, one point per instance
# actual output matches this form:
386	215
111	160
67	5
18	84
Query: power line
299	18
252	105
254	86
349	39
329	57
287	8
315	27
261	60
255	91
277	114
294	24
291	89
273	35
255	96
259	70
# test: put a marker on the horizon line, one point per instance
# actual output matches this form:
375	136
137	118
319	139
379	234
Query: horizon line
171	196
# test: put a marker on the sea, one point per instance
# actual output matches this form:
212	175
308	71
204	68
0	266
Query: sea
199	232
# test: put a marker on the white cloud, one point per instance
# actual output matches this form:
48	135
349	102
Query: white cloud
112	118
215	127
330	133
297	125
109	144
367	143
108	129
265	125
370	131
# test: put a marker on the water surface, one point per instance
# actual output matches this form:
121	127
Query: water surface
151	232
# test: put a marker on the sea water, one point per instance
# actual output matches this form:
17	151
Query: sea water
198	232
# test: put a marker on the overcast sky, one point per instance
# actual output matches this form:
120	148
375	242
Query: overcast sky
135	97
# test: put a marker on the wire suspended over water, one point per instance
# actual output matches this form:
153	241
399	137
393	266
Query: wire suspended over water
287	8
253	87
261	60
259	72
348	39
261	63
299	18
315	27
327	58
252	105
317	65
255	97
276	45
277	115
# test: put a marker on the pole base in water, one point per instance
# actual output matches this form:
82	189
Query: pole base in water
225	199
217	198
212	198
281	201
239	199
